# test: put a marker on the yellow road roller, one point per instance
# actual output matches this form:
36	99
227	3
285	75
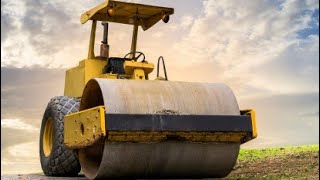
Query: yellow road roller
115	122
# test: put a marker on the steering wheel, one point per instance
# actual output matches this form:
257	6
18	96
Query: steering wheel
137	57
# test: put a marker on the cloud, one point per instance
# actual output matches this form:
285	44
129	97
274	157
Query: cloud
186	21
50	34
25	92
264	142
288	119
14	136
46	22
255	47
245	39
20	159
6	26
17	124
310	113
294	70
45	33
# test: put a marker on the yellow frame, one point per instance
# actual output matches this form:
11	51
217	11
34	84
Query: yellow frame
77	77
84	128
94	122
252	114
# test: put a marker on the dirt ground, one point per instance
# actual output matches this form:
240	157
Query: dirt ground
303	165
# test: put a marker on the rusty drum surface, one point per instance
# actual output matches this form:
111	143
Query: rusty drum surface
169	159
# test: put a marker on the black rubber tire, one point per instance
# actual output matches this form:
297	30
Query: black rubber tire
61	161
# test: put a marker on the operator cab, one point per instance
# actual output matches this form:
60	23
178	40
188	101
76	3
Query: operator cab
126	13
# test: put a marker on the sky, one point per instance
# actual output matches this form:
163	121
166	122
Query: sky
267	51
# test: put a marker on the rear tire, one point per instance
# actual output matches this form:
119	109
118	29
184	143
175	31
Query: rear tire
55	158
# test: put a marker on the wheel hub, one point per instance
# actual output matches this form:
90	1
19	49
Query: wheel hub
47	139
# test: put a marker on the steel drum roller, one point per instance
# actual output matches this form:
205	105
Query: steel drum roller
167	159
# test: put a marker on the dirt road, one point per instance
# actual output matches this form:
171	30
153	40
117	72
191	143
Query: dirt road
295	165
38	177
303	165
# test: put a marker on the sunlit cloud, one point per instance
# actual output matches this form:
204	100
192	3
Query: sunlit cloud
21	158
257	37
17	124
266	51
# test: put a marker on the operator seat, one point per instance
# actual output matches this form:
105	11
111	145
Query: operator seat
115	65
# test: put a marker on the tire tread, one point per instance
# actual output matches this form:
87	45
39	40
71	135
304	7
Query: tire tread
62	161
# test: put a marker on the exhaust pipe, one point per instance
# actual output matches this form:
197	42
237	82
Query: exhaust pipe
104	47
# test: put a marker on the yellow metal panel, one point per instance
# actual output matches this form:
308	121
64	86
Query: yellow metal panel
82	63
122	12
102	120
88	14
93	68
77	77
252	114
129	67
109	76
47	137
254	125
138	74
92	38
74	82
84	128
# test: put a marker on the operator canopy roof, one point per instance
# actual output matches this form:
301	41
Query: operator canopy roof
126	13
